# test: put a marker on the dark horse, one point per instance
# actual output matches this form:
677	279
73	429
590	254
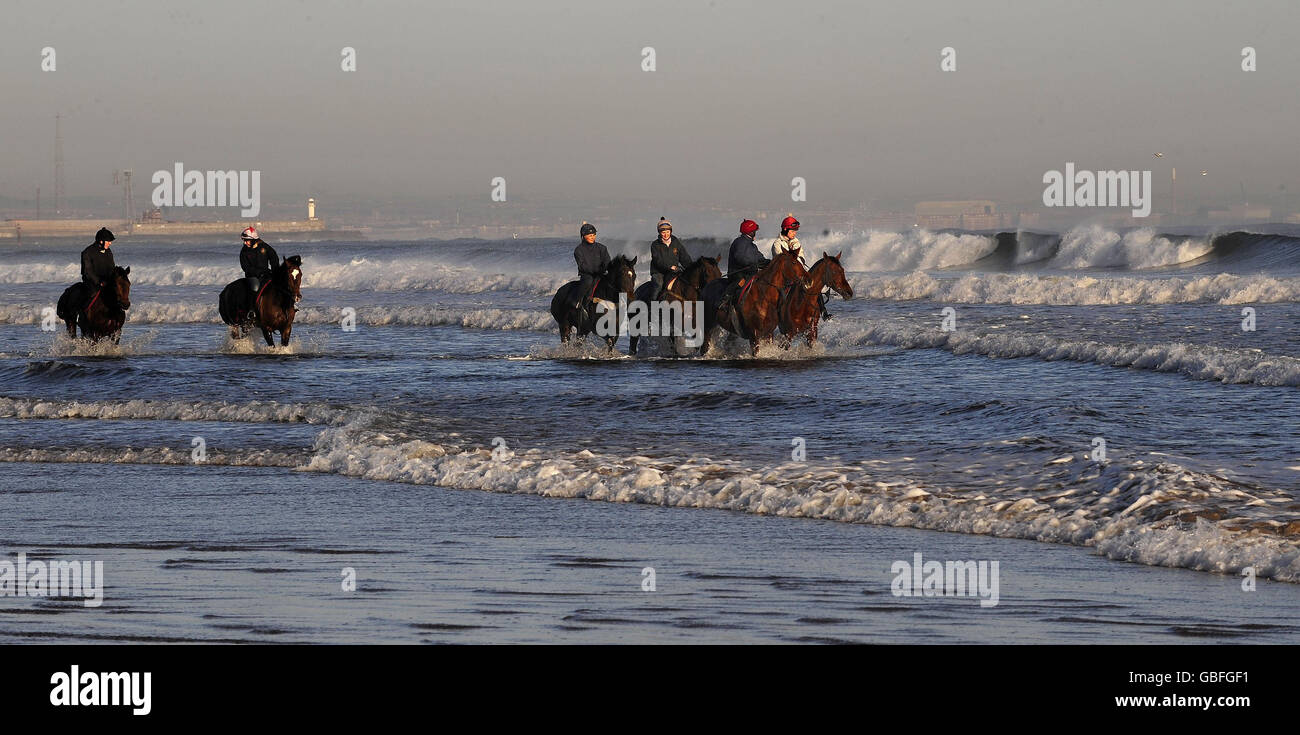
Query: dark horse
760	303
802	310
275	301
105	311
619	278
687	287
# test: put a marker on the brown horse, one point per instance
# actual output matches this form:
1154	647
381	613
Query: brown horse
274	303
802	311
760	303
686	288
105	310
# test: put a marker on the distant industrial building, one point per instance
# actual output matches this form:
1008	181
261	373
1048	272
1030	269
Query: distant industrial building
974	214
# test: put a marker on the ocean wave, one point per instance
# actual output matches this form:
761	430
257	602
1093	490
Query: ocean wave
1149	511
152	456
899	251
1154	513
390	274
152	312
1087	246
254	412
1203	362
1061	290
1094	246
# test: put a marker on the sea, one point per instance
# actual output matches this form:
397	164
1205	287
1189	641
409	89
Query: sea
1107	420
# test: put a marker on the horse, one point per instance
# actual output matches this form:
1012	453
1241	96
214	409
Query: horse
104	314
687	287
759	302
274	302
802	310
618	278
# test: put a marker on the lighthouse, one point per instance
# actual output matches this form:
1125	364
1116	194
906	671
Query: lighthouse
311	209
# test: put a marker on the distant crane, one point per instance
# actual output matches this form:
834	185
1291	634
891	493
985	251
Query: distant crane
58	164
128	206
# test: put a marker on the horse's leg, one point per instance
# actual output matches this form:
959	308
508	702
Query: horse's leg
72	327
268	336
284	335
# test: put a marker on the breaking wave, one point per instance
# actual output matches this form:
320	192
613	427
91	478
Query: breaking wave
1152	512
1203	362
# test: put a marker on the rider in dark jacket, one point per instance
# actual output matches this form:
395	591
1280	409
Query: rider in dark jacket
668	257
97	260
96	265
744	260
257	259
593	261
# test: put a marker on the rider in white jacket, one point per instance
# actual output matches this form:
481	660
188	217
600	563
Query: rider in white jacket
789	241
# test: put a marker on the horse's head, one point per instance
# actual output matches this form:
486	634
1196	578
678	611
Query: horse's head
702	271
832	274
291	272
787	268
622	273
122	286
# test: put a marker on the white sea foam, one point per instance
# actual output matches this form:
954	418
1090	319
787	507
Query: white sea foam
257	411
1063	290
380	274
898	251
1095	246
151	455
1153	512
1138	512
1204	362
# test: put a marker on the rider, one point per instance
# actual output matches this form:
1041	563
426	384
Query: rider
257	259
668	258
593	261
744	260
789	241
96	265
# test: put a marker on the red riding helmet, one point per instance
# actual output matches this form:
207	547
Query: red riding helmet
748	227
789	223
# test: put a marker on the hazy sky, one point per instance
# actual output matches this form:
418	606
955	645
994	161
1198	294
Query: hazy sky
746	96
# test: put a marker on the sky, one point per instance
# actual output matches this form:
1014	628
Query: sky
744	97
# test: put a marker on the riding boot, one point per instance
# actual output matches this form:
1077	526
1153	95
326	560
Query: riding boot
821	303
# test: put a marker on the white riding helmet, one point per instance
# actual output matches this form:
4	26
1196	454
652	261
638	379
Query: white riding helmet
250	233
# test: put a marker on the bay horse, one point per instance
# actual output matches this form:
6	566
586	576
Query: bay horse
802	310
687	287
759	302
105	312
271	310
618	279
